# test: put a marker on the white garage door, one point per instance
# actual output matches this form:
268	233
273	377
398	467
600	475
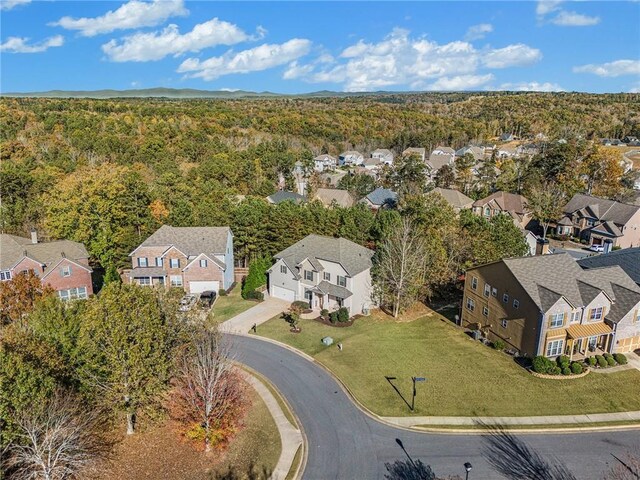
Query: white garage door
199	287
283	293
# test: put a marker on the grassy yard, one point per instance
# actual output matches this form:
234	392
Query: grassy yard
229	306
464	377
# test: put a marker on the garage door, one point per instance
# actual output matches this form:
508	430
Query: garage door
627	345
198	287
283	293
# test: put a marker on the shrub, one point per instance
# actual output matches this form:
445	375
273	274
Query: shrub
566	371
576	368
324	313
620	358
542	364
302	305
254	295
257	275
554	370
563	361
343	315
222	292
601	361
591	361
610	360
333	317
499	345
616	247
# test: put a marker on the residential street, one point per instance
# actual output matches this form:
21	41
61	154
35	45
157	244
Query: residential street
345	443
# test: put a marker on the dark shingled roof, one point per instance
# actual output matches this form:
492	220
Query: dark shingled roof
13	248
602	209
380	196
509	202
283	196
628	259
191	241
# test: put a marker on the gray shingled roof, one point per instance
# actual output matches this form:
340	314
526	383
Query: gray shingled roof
380	196
334	290
602	209
454	197
438	160
282	196
191	241
628	259
353	257
13	248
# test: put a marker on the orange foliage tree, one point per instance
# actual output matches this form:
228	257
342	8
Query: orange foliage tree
19	295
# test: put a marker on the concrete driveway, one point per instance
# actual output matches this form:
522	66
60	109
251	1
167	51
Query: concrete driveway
257	315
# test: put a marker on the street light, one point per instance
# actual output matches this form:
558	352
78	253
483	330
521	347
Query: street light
413	398
467	467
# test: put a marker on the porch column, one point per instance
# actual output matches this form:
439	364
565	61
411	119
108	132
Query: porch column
571	343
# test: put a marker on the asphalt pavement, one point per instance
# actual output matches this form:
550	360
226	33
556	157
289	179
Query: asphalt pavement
345	443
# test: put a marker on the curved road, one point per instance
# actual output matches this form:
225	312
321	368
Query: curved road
345	443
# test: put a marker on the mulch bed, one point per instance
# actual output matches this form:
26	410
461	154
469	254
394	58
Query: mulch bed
337	324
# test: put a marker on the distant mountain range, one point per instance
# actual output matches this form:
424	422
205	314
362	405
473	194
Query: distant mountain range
183	93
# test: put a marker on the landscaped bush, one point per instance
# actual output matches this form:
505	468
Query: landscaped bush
554	370
254	295
592	361
333	317
302	305
602	363
324	313
542	364
222	292
563	361
576	368
499	345
343	315
566	371
610	360
620	358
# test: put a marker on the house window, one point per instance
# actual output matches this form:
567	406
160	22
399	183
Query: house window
65	271
557	319
203	263
487	289
283	269
159	261
516	303
487	212
144	281
340	302
503	322
636	319
5	275
474	283
342	281
174	263
505	298
485	311
494	292
308	275
575	316
471	305
73	293
596	314
142	261
554	348
327	276
176	280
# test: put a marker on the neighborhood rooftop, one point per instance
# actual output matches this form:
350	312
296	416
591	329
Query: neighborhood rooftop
628	259
13	248
190	240
602	209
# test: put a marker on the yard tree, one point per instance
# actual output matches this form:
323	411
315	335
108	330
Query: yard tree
545	204
127	340
257	275
464	175
358	185
445	177
603	170
19	295
506	238
400	266
408	176
207	394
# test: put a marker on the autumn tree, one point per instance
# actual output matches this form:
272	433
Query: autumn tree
19	295
603	170
545	203
464	174
408	175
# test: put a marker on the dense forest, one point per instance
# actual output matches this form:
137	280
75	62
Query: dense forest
108	172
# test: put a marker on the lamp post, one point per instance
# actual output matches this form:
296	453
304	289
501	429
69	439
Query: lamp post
467	467
413	398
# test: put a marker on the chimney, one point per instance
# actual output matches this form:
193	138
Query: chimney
542	247
34	236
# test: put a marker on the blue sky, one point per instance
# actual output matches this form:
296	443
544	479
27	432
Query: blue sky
293	47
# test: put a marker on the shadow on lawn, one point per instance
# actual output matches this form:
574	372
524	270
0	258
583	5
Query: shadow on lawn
390	380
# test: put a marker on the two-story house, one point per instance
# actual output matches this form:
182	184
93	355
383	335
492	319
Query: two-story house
193	258
504	202
327	272
548	305
350	157
384	155
419	152
324	162
61	264
601	222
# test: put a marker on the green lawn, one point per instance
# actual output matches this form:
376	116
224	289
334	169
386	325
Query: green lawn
229	306
464	377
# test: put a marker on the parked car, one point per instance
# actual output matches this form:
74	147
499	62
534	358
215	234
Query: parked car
597	248
208	298
187	302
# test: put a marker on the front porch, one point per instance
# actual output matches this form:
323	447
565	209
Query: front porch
585	340
327	296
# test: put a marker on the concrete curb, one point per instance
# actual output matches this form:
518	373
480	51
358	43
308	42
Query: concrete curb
291	437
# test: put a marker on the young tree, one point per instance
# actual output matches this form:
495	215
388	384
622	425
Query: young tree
207	392
127	340
400	266
58	439
545	204
19	295
257	275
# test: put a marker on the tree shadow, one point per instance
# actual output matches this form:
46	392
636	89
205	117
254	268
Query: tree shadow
252	472
410	469
390	380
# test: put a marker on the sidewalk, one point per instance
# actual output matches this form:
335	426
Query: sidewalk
290	437
257	315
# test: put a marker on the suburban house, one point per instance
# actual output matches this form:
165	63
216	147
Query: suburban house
327	272
476	152
379	198
284	196
456	199
628	259
193	258
436	161
61	264
548	305
601	222
332	178
372	164
334	196
440	150
384	155
419	152
324	162
503	202
350	157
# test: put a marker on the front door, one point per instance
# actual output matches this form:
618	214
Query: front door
308	295
577	345
593	343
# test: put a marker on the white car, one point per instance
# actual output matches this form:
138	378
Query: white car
597	248
187	303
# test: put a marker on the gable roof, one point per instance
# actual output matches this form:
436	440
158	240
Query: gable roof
445	150
601	208
13	248
282	196
192	241
438	160
325	157
415	150
380	196
454	197
328	195
508	202
350	153
628	259
354	258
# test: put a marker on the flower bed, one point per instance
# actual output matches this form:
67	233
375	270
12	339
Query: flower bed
560	377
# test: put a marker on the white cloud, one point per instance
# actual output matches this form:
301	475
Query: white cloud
144	47
517	55
478	32
531	87
255	59
9	4
20	44
544	7
400	59
611	69
573	19
133	14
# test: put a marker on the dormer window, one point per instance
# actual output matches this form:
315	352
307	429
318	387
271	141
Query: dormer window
308	275
596	314
283	269
557	320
